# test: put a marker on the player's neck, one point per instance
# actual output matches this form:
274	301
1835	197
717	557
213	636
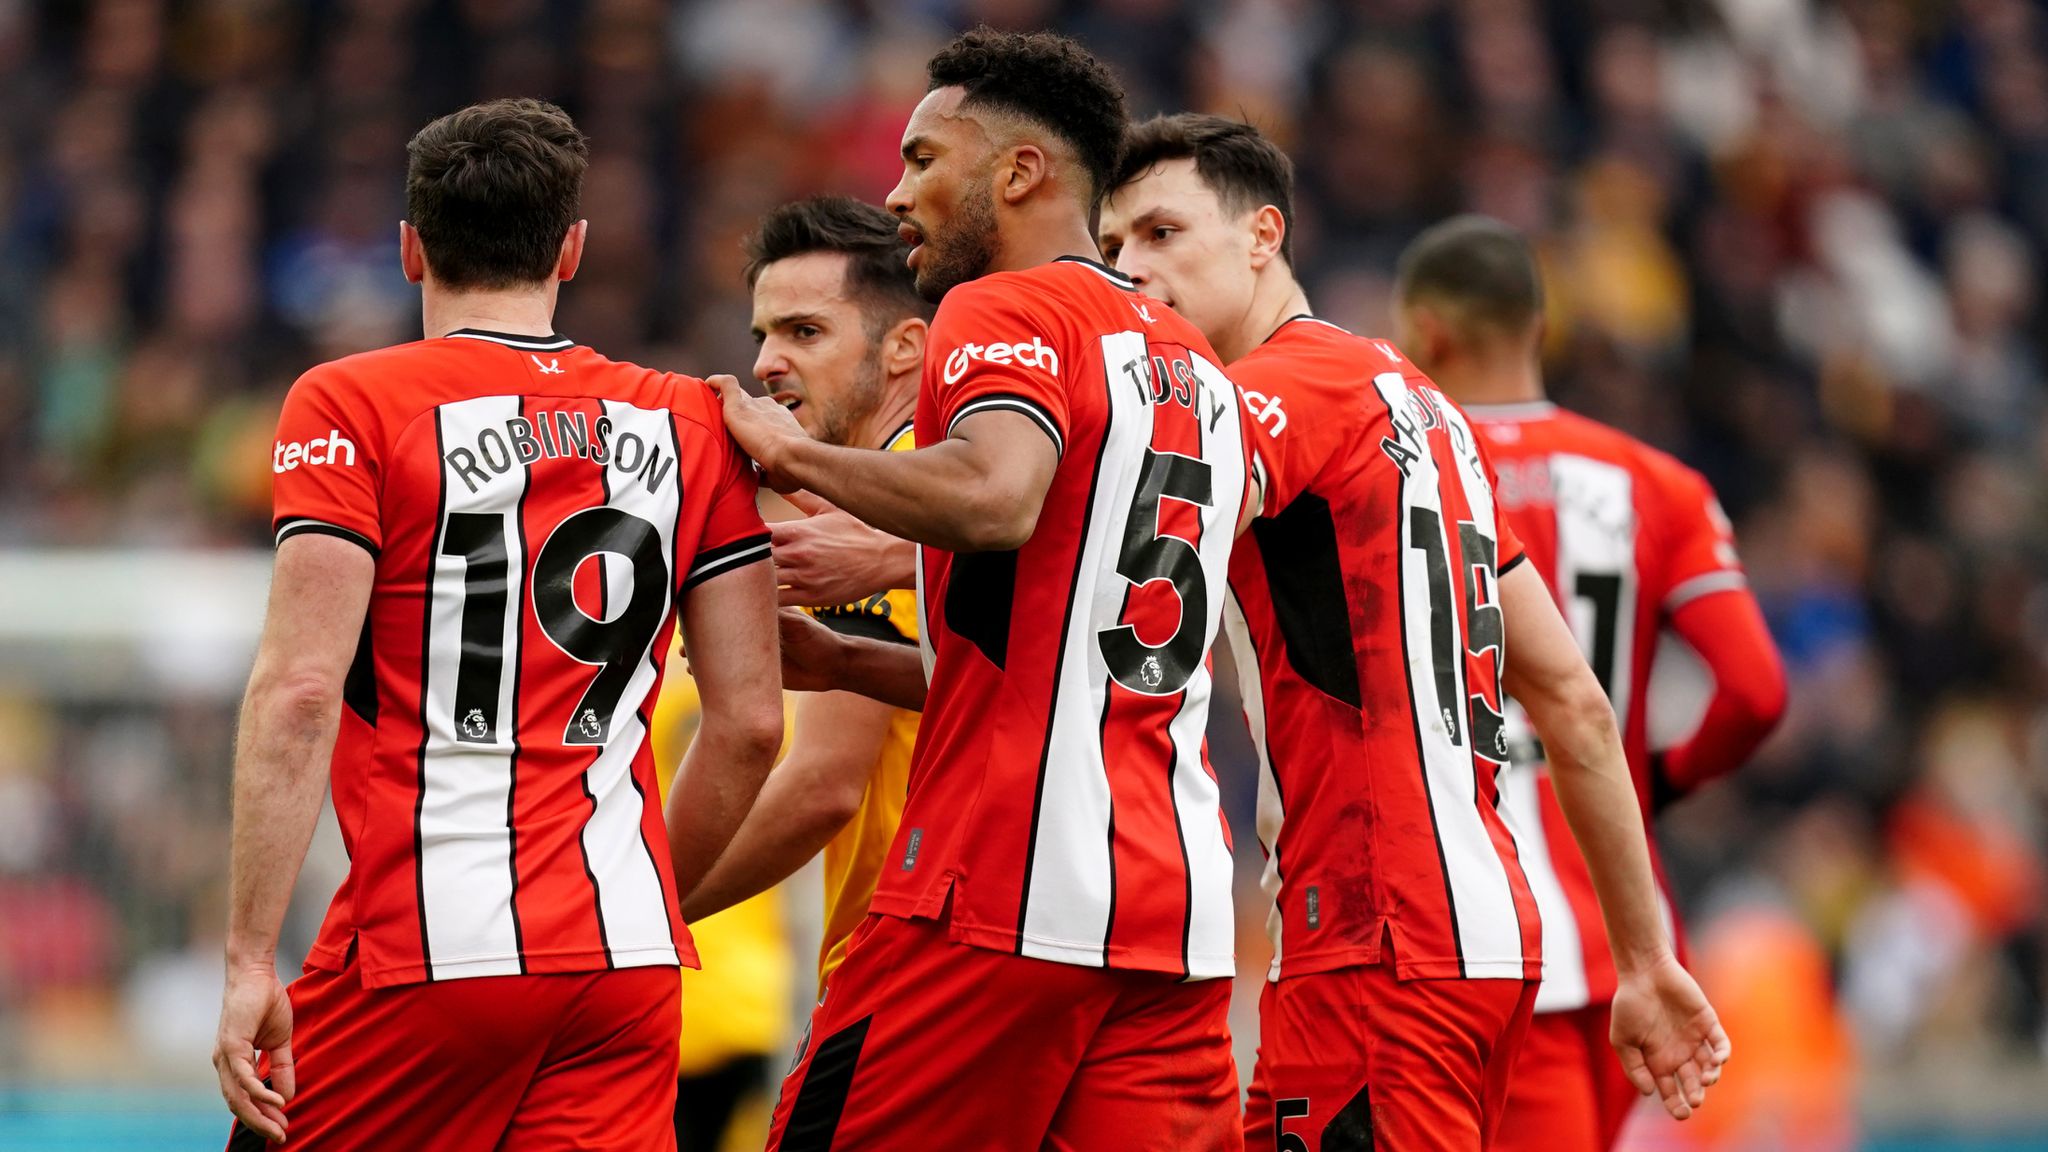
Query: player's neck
1484	381
899	404
1041	238
1276	299
512	311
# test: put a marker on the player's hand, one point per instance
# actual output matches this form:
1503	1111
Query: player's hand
810	653
829	557
763	428
256	1016
1669	1040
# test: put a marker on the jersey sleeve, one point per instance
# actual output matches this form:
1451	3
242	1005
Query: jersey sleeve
1699	542
734	534
998	349
326	464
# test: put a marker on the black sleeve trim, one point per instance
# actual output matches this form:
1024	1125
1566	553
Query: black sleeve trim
304	527
1011	402
727	557
854	620
1510	565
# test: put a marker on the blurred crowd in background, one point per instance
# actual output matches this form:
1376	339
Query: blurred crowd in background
1796	242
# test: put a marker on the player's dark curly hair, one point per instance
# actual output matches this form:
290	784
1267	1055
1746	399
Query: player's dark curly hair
492	189
1234	159
1047	79
876	276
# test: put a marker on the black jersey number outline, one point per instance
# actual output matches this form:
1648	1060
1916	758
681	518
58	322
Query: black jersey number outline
1147	554
615	645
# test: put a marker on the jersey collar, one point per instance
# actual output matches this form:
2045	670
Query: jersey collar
1521	410
1112	275
548	343
1302	316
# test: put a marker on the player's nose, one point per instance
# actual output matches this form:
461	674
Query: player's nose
770	365
899	200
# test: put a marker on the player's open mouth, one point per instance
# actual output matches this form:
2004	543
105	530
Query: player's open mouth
914	237
787	400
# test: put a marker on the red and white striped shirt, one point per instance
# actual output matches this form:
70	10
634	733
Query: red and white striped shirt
1366	626
536	511
1625	536
1060	793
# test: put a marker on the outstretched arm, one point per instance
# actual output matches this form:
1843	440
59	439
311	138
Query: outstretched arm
828	557
978	490
319	591
808	798
817	659
1667	1035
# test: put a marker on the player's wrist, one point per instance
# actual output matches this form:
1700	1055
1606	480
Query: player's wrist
250	958
1640	960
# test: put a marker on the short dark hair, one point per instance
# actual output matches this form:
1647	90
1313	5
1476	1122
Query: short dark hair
876	276
492	189
1237	162
1047	79
1481	266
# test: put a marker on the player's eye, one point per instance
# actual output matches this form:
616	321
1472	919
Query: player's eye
1110	253
922	162
1161	232
807	332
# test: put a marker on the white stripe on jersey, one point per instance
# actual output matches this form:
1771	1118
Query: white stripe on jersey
463	827
1704	584
1272	815
1564	954
1197	801
1482	901
631	908
1071	882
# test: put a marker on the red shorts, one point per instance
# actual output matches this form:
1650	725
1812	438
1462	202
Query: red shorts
1355	1059
1568	1093
924	1042
575	1060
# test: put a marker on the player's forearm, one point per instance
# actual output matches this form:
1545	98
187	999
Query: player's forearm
1591	778
800	809
880	670
716	785
939	496
288	726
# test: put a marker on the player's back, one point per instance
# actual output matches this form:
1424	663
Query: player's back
1060	792
1367	629
1624	535
535	510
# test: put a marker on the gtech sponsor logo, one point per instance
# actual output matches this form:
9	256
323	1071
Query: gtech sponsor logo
333	448
1032	355
1266	410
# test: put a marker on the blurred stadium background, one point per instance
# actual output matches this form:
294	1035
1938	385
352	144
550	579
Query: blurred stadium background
1797	242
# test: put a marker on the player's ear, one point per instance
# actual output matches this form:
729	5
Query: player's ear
412	258
1269	229
571	257
1024	172
903	345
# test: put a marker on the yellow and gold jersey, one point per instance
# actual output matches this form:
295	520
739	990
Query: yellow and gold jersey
853	860
738	1004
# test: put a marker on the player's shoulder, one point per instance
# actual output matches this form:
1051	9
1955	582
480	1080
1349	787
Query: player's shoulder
356	372
689	397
